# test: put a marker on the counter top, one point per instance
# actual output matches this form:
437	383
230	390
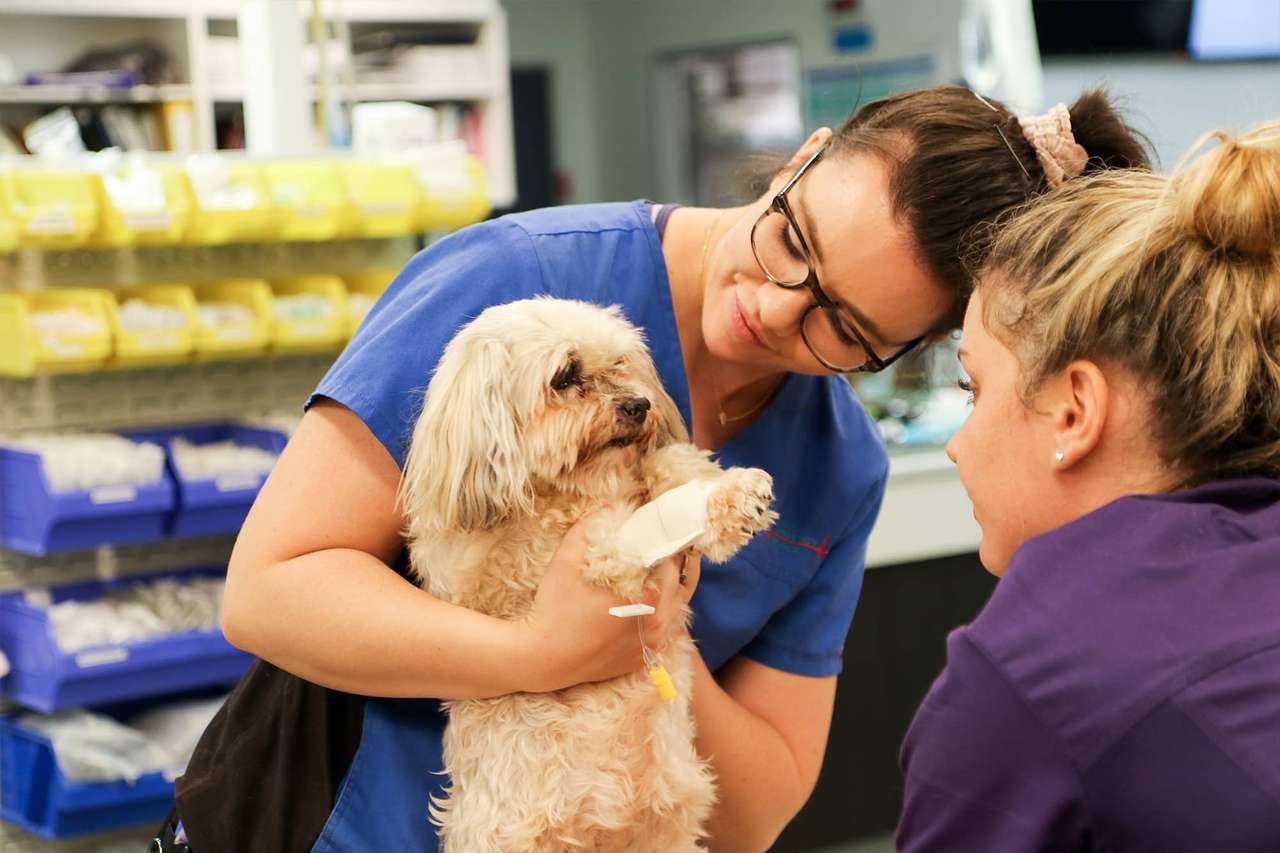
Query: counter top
926	512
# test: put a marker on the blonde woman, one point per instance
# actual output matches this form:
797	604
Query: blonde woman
1121	690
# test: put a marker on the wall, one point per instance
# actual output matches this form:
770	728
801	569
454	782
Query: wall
1174	100
603	54
557	34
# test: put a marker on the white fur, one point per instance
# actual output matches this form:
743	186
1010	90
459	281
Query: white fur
500	466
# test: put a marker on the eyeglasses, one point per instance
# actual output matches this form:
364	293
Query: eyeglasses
831	332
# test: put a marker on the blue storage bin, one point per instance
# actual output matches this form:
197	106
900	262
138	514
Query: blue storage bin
45	678
38	521
35	795
219	505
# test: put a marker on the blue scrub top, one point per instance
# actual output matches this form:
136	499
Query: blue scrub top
785	600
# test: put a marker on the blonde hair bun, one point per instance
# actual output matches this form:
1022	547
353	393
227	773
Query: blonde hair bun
1230	195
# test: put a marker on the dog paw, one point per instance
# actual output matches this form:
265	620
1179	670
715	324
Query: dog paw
737	510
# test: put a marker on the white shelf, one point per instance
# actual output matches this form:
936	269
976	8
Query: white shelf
926	512
75	94
417	92
99	8
374	11
183	26
390	11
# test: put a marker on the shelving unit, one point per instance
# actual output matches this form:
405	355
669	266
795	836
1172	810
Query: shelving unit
353	230
73	94
44	35
153	403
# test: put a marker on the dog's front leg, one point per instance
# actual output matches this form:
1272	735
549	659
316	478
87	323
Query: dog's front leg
737	510
677	464
610	565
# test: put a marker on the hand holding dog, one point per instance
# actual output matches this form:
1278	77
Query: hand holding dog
572	637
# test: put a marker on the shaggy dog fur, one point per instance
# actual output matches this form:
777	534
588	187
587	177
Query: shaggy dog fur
540	412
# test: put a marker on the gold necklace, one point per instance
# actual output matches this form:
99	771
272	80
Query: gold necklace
715	390
727	419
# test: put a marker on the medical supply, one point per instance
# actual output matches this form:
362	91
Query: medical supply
625	610
667	524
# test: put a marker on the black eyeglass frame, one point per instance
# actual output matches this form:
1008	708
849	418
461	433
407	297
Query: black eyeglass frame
874	363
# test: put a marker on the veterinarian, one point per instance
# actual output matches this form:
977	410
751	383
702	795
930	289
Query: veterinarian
754	315
1119	690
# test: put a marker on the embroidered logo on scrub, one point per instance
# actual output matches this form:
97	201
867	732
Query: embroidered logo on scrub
788	538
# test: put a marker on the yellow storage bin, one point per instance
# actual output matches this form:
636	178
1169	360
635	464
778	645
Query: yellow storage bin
8	225
233	318
363	289
46	331
142	205
453	198
54	208
230	202
385	199
311	197
153	324
310	312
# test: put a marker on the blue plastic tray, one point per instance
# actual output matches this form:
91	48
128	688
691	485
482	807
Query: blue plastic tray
36	520
37	797
45	678
211	506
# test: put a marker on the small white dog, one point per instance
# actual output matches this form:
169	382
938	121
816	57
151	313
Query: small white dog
540	412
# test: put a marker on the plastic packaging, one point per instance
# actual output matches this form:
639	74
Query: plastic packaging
311	197
55	208
60	329
142	203
153	324
230	201
233	318
310	313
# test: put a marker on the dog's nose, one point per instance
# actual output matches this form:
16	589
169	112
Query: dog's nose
634	408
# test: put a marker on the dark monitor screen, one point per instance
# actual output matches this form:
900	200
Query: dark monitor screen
1065	27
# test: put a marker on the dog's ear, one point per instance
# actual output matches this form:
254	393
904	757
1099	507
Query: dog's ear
671	427
465	470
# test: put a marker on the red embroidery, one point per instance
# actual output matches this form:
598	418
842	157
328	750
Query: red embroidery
820	550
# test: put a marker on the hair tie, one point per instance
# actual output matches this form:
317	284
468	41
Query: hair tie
1050	135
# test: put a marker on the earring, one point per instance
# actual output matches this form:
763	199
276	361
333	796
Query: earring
1058	456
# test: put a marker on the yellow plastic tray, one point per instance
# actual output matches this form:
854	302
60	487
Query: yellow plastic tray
55	208
25	352
455	202
8	225
320	332
363	289
311	197
385	199
154	346
239	339
121	226
240	211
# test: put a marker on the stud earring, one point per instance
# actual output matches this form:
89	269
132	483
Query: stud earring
1058	456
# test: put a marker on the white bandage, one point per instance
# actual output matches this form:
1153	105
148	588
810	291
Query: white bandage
668	523
624	610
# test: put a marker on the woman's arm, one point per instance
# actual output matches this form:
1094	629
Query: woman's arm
310	589
764	732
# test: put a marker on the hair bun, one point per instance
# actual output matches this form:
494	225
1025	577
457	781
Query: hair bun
1230	196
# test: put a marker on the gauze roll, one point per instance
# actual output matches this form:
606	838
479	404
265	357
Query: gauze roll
667	524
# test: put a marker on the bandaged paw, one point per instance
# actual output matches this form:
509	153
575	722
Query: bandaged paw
668	523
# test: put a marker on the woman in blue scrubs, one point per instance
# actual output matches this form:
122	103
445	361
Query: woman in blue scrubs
753	314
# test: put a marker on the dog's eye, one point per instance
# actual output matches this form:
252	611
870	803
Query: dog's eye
570	374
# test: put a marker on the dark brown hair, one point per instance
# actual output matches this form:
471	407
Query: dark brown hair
952	170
